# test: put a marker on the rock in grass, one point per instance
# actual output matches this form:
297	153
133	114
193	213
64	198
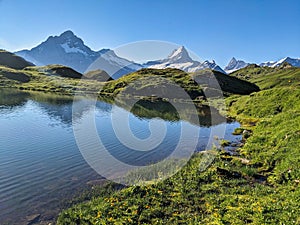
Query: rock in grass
238	131
246	134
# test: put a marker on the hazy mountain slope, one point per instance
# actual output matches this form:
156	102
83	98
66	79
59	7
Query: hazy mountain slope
69	50
66	49
114	65
11	60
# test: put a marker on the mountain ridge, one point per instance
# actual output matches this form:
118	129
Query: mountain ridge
69	50
292	61
235	64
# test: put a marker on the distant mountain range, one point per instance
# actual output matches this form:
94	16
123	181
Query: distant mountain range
234	64
69	50
291	61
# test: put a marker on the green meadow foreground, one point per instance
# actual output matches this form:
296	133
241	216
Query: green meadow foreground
260	185
257	185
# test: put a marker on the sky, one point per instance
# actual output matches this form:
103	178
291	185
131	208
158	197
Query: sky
254	30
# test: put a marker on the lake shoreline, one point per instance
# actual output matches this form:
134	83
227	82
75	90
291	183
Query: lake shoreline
242	184
49	130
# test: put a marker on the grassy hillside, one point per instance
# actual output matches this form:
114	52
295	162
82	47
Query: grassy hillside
267	77
10	77
56	70
99	75
161	82
275	148
18	73
150	82
146	82
11	60
52	78
228	84
260	185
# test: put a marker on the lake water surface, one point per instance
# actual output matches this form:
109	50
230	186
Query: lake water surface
41	165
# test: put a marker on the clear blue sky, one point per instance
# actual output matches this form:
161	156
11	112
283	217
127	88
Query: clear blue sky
254	30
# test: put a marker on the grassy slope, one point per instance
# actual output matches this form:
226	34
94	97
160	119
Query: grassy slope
263	190
146	80
52	78
274	149
266	77
99	75
16	72
13	61
151	81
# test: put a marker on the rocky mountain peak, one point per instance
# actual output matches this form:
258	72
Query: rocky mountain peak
68	34
234	65
180	54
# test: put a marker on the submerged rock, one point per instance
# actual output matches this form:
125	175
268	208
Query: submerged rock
99	182
32	219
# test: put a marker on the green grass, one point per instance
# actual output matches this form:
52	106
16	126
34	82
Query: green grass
214	196
163	82
51	78
147	82
274	147
238	131
266	77
259	186
224	143
166	83
99	75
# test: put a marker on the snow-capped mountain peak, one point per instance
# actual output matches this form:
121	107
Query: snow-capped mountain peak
291	61
73	44
111	57
179	54
180	59
67	37
207	65
234	65
233	61
69	50
267	63
66	49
